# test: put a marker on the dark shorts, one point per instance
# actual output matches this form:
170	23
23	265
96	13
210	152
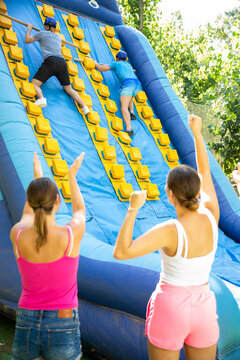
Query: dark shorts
42	334
53	66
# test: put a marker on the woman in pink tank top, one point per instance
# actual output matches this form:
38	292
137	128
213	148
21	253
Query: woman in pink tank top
182	310
47	254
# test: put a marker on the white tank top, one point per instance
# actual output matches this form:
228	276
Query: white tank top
181	271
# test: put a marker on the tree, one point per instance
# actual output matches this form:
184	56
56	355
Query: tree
140	14
202	66
227	93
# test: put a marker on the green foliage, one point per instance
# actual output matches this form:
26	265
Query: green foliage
202	66
140	14
227	91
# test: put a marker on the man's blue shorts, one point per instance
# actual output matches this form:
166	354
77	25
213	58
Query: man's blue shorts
130	87
42	334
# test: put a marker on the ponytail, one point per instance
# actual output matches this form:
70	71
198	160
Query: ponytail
40	225
41	195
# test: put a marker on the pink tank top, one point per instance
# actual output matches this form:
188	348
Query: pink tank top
49	286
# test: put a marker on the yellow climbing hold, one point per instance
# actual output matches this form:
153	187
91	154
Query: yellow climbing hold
78	33
135	154
164	139
115	44
60	167
96	76
78	84
10	37
51	146
109	31
93	117
48	10
21	70
27	89
73	20
152	190
42	126
125	190
101	134
143	172
15	53
141	97
117	171
109	152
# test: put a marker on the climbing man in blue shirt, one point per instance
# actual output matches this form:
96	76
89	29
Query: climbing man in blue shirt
130	86
54	63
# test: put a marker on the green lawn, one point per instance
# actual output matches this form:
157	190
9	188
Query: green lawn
6	336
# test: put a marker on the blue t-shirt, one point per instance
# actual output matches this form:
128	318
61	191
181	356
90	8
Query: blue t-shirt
50	43
123	70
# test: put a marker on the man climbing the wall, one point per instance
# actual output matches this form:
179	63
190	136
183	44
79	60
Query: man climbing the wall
130	86
54	63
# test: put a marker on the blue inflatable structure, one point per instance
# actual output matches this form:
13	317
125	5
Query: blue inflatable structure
112	294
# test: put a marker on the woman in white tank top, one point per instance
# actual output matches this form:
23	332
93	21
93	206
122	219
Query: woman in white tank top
182	309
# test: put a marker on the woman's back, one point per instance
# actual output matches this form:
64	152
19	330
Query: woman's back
48	277
47	256
199	233
190	262
53	249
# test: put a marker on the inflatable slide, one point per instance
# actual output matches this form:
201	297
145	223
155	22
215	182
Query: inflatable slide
112	294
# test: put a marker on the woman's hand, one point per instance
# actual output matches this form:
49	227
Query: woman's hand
236	177
137	199
195	124
37	168
76	165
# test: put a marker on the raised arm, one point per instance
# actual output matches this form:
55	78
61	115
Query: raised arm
78	207
209	197
102	67
27	218
157	237
28	38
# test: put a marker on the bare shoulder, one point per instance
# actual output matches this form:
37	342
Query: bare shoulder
14	231
78	227
170	233
165	231
206	209
166	236
167	226
210	203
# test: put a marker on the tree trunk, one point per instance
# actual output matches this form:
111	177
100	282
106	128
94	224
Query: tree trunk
141	14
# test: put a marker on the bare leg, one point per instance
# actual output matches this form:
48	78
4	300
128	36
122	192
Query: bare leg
125	102
131	106
37	84
70	91
200	353
156	353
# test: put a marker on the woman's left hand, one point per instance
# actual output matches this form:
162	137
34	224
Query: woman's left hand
76	165
37	168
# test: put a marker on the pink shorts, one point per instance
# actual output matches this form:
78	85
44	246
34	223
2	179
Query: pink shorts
182	314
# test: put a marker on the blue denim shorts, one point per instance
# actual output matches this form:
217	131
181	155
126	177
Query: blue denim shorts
41	334
130	87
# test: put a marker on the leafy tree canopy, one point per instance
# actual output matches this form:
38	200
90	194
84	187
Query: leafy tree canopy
203	67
